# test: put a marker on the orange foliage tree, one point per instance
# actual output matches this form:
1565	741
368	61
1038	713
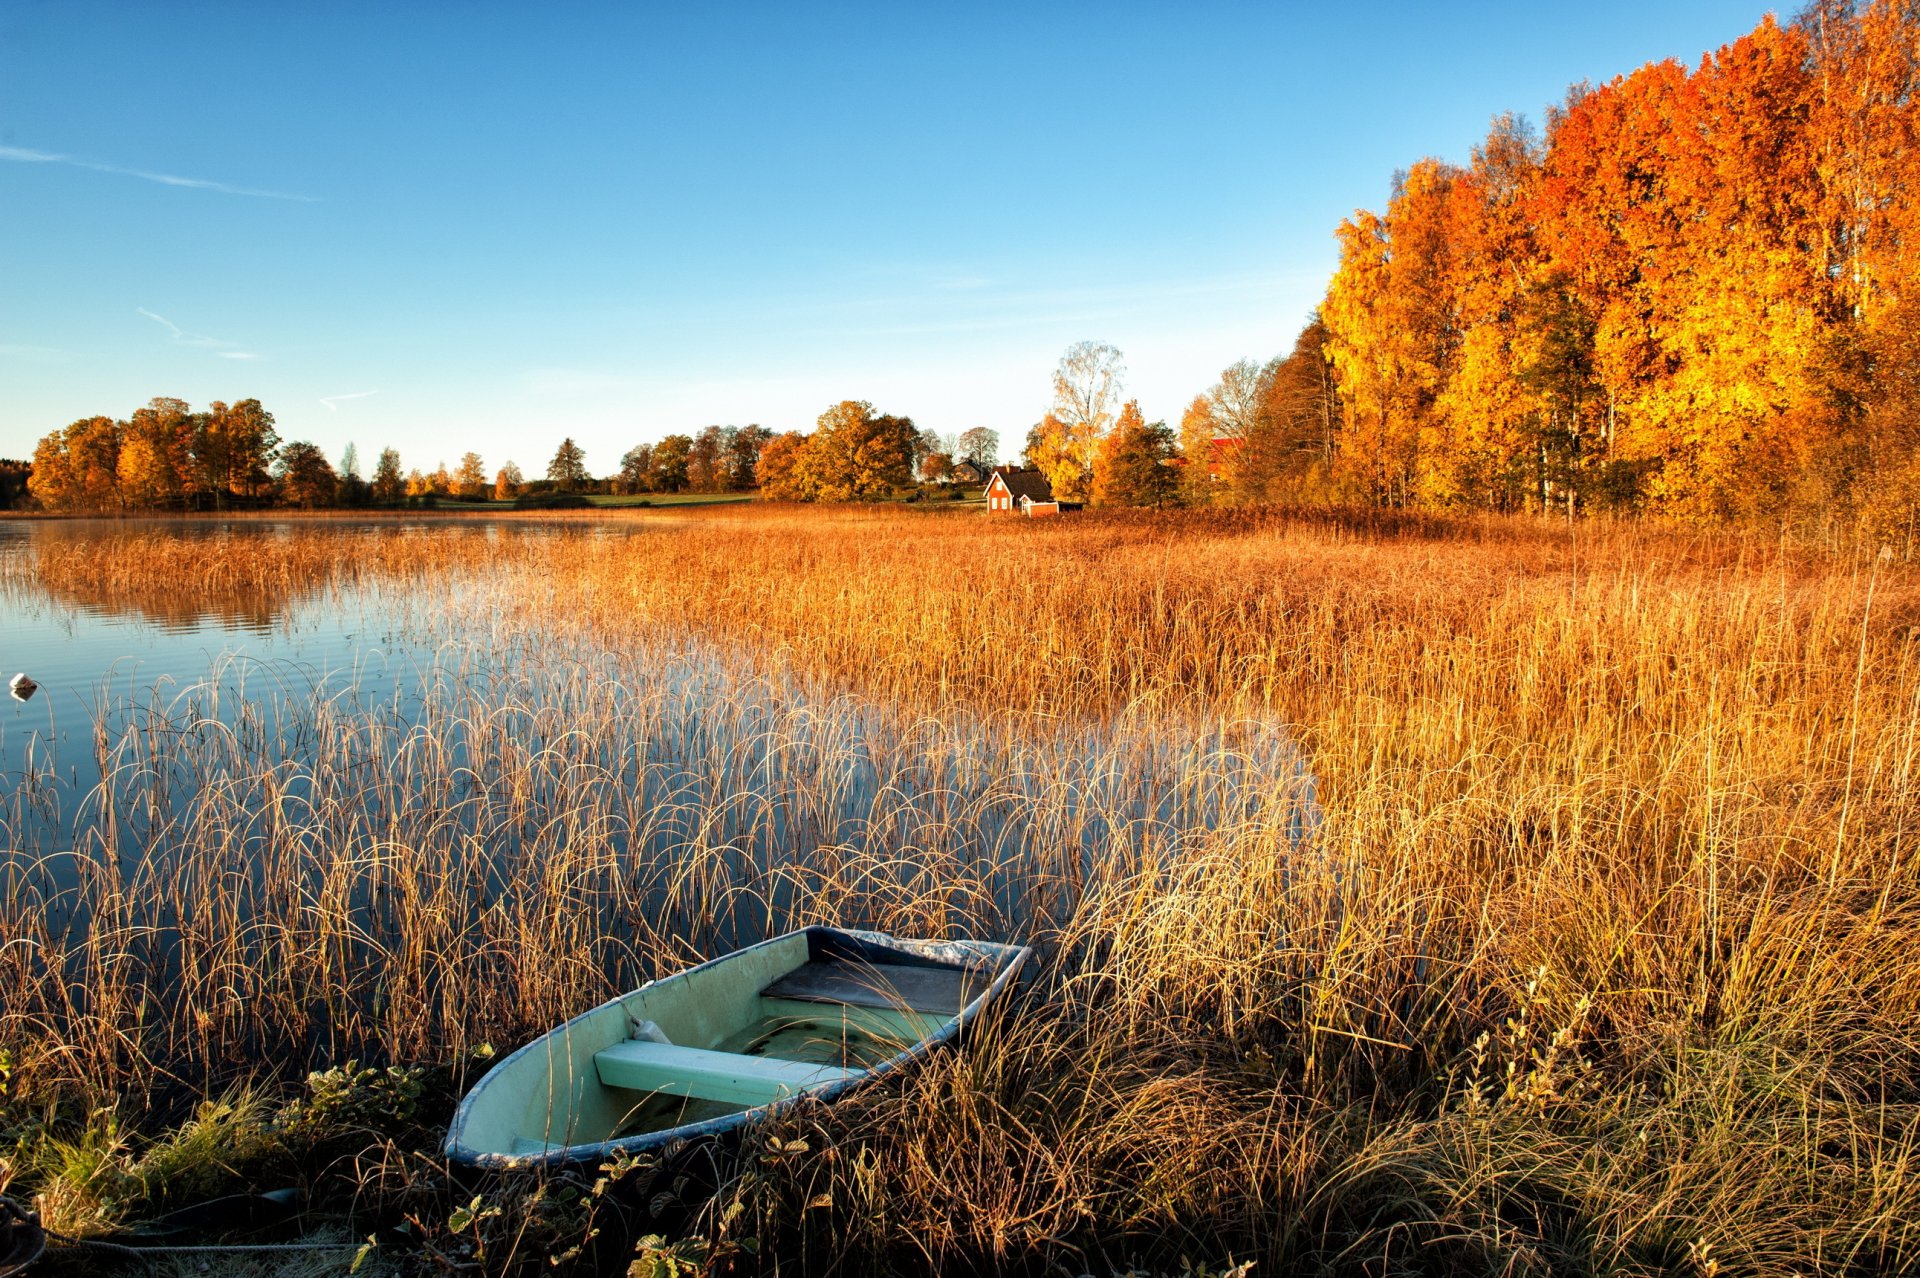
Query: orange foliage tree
1698	294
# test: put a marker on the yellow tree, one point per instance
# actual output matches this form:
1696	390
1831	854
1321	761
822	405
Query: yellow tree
156	465
1738	300
1391	330
78	468
470	480
506	484
1053	451
780	472
1865	135
1197	433
856	454
1483	435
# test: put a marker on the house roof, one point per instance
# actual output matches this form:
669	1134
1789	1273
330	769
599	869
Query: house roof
1024	483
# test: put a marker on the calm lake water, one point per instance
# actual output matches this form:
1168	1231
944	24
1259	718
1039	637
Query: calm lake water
107	661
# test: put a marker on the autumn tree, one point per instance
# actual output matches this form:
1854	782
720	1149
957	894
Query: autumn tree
79	468
1135	463
507	483
925	444
743	456
568	469
389	484
1051	450
1389	334
1481	440
856	454
470	479
671	464
1199	485
53	481
636	470
1216	427
1289	455
706	461
306	477
1086	392
232	448
779	470
156	454
936	468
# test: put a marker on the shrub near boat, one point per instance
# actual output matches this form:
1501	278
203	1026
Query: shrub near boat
813	1013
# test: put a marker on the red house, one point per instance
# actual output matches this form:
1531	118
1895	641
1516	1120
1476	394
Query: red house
1008	486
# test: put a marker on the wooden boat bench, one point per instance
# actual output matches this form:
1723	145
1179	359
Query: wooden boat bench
642	1065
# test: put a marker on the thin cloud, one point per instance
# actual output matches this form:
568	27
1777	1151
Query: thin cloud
225	350
23	155
333	401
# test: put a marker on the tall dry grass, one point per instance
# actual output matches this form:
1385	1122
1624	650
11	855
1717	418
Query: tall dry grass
1604	956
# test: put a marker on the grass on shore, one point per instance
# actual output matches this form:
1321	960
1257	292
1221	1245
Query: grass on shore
1605	958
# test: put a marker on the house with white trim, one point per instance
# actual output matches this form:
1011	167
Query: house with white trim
1013	489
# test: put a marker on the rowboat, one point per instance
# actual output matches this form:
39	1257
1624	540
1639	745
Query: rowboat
809	1015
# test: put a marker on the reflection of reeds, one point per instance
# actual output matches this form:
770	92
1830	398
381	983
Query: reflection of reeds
1606	956
240	573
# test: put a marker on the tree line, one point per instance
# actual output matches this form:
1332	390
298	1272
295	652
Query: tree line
1698	294
166	456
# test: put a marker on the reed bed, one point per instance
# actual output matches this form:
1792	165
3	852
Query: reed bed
1418	896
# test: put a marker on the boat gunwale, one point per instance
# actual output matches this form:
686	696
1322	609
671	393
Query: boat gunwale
1007	961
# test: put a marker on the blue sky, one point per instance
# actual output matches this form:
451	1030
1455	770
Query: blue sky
443	227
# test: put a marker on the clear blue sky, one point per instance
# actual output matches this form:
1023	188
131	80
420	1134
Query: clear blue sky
474	226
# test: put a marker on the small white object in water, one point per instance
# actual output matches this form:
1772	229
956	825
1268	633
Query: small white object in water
22	687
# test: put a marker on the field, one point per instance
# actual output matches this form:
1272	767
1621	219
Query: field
1600	955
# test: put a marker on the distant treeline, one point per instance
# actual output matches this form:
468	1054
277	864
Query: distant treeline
1697	295
166	456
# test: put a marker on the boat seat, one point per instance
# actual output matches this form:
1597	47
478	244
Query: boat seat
931	991
644	1066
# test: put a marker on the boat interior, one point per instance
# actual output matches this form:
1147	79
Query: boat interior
770	1022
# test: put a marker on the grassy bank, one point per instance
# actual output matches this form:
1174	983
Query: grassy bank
1605	957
